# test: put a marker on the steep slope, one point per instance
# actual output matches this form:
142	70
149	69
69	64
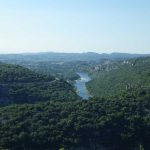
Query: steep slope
15	73
21	85
114	78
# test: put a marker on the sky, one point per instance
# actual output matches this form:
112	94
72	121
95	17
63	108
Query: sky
102	26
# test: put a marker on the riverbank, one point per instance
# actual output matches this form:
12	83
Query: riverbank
80	85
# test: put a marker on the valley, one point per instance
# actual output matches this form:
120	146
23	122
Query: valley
72	105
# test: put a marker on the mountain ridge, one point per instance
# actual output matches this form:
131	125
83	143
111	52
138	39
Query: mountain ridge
66	57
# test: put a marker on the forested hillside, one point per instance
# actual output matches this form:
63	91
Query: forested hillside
63	65
121	123
65	70
114	78
42	112
16	73
21	85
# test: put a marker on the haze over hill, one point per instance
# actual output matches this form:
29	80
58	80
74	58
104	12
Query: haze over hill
65	57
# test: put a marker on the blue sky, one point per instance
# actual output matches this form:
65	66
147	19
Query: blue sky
102	26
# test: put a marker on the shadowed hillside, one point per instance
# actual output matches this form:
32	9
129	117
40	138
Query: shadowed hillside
21	85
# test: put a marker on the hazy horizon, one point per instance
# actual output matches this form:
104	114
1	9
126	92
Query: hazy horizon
75	26
67	52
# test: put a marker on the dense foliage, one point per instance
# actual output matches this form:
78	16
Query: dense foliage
16	73
118	77
21	85
63	70
56	119
118	123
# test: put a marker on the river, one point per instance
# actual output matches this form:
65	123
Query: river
81	85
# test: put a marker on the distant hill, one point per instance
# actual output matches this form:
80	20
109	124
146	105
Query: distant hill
21	85
65	57
115	77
